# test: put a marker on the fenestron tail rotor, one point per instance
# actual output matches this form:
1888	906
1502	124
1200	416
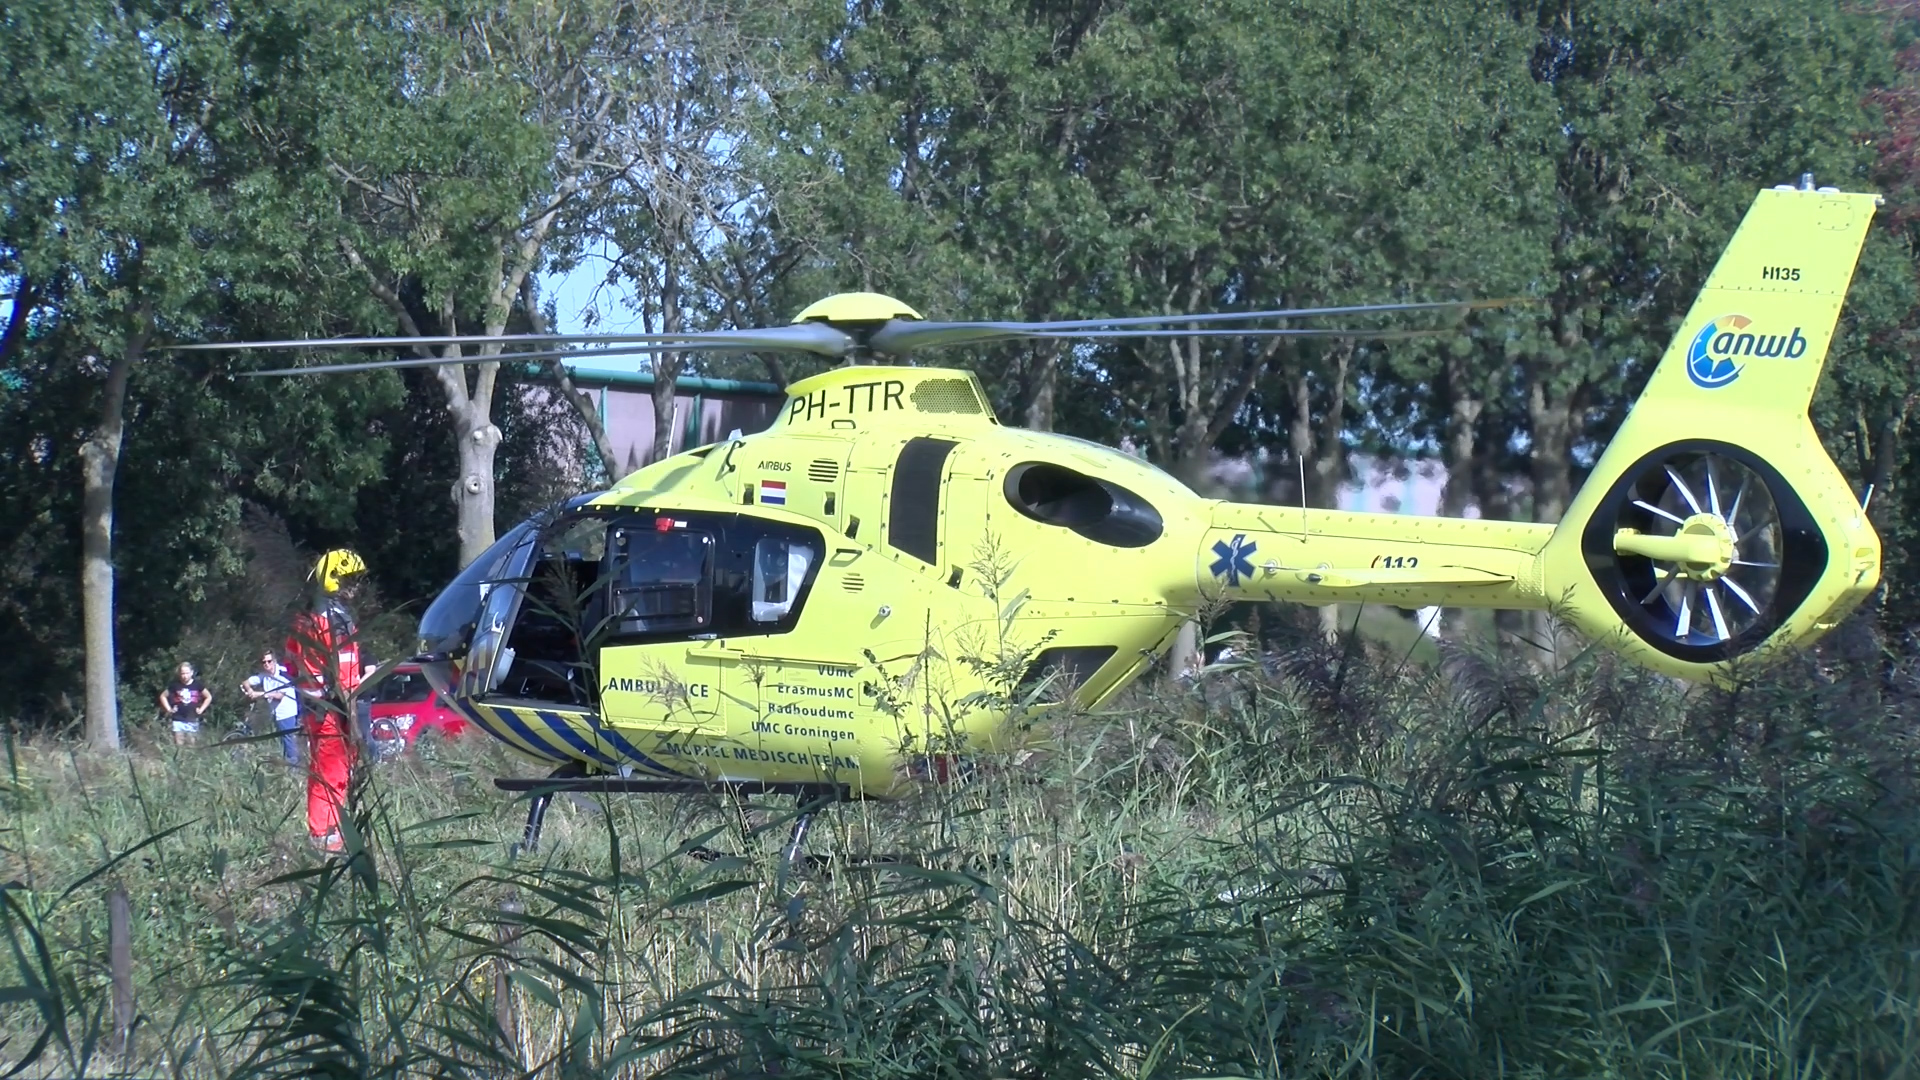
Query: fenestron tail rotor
1703	550
1715	527
1705	540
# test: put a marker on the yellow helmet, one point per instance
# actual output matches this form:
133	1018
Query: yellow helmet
334	566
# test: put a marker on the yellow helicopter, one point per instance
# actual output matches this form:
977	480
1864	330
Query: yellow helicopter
848	603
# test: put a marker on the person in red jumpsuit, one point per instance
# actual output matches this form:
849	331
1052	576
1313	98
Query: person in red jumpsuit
324	653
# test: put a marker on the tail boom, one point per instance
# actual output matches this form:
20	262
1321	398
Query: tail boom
1302	556
1714	526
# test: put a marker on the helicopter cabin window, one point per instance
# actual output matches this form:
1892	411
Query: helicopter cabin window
631	580
661	579
913	523
780	568
545	658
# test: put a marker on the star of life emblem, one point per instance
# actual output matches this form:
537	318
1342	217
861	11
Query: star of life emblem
1235	559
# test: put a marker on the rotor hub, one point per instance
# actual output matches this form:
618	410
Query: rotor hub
856	309
1709	536
1702	549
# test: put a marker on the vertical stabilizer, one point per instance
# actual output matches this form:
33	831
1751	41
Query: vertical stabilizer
1715	523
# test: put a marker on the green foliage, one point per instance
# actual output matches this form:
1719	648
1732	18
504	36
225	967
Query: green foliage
1015	161
1336	864
1008	160
1663	124
167	165
126	211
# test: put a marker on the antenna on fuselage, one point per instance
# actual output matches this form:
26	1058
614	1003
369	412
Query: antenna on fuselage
1303	495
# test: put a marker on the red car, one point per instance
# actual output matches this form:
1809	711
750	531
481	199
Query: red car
404	707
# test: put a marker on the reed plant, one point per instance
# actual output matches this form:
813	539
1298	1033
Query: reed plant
1329	862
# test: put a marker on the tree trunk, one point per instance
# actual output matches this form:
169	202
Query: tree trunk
1328	471
1550	425
1190	444
666	366
1884	456
1463	416
1040	388
583	403
100	461
1314	472
1489	480
477	441
1300	428
470	406
666	381
588	410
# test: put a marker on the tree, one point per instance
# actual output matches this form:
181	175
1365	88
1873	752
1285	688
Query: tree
1067	160
125	223
680	206
1663	123
1868	400
442	148
108	168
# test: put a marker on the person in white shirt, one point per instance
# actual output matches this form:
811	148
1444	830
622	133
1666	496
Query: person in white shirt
272	685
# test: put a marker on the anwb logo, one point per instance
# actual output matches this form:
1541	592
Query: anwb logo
1714	358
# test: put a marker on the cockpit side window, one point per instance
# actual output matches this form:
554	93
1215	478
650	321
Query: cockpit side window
661	581
546	655
780	568
699	576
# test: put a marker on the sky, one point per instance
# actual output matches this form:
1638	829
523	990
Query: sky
573	295
584	289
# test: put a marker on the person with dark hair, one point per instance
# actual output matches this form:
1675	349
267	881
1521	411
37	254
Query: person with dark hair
272	687
325	655
183	703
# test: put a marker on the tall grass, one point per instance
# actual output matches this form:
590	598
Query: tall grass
1338	864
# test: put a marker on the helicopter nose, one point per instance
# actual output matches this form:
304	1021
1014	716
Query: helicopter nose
441	674
440	646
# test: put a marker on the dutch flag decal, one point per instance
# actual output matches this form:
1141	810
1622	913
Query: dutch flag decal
773	492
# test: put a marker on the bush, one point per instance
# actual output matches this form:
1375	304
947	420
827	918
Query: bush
1329	863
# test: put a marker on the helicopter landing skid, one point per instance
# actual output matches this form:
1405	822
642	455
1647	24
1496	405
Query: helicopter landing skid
571	778
830	865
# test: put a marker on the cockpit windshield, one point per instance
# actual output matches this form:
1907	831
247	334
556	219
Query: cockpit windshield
448	621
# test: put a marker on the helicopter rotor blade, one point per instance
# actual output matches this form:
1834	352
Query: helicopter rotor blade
402	342
901	336
545	354
904	339
1301	332
813	337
